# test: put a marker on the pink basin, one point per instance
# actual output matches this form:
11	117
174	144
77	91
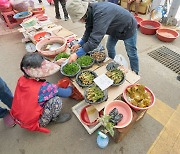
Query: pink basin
122	108
135	107
51	40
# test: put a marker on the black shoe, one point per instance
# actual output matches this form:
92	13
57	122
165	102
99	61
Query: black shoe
66	18
178	77
57	17
63	117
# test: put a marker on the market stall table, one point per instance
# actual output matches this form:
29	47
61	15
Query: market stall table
114	92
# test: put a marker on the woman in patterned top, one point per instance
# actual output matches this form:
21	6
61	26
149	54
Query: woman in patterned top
37	102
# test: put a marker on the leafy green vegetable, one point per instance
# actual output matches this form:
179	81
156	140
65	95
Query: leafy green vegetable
109	126
86	78
62	55
85	60
139	96
71	69
94	93
116	75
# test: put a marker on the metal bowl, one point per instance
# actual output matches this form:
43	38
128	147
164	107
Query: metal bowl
97	102
122	81
72	75
79	82
88	66
100	60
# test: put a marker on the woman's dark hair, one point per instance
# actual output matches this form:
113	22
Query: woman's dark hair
88	12
31	60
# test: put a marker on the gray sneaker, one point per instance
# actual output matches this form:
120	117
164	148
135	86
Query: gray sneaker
62	117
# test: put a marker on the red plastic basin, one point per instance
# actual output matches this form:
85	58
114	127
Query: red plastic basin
84	117
138	19
41	35
149	27
166	35
38	11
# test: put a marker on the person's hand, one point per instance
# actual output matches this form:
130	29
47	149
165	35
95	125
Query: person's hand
60	61
70	84
72	58
130	1
75	47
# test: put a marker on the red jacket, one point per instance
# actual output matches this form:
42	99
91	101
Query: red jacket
25	108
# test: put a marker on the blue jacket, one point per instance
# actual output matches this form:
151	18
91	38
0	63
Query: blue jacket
106	18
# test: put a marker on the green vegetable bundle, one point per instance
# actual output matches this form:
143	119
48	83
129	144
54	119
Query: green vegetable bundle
86	78
62	55
85	61
139	96
116	75
94	94
71	69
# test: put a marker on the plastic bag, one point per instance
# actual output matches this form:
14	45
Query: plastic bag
156	14
63	83
22	5
121	60
3	2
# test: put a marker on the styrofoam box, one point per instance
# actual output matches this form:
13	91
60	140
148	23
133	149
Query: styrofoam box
77	109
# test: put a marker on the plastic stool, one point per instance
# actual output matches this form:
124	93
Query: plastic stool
10	21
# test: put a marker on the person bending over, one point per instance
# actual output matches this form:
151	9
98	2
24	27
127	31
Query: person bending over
104	18
6	97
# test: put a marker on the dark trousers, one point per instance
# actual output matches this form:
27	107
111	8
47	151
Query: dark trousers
6	97
63	4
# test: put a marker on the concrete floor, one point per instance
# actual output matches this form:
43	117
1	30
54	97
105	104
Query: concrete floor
157	133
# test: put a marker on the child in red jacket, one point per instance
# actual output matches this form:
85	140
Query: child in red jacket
37	102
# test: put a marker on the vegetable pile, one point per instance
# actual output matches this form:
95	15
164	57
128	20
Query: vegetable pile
85	61
116	117
98	56
71	69
62	55
116	75
86	78
94	94
139	96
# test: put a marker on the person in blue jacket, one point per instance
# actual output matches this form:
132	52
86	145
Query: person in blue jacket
103	18
6	97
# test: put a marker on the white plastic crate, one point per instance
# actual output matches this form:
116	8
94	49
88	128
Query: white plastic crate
77	109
